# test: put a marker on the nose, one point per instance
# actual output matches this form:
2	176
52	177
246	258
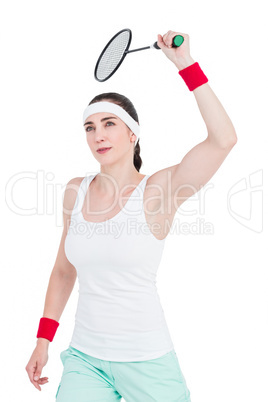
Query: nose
99	134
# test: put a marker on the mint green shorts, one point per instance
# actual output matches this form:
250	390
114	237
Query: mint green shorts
86	378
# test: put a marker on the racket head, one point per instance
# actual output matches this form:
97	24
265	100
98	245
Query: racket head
113	55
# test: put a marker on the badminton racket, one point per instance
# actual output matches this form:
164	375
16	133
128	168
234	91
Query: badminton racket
116	50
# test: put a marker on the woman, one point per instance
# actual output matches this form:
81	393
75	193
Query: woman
121	345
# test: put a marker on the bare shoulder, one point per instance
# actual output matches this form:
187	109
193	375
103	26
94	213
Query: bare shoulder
70	194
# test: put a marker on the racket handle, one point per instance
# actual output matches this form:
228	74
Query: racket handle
177	41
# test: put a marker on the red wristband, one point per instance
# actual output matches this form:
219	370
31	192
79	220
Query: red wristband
193	76
47	328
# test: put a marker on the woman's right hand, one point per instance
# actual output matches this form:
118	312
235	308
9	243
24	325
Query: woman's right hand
36	363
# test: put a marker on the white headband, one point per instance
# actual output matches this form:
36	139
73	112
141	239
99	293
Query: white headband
110	107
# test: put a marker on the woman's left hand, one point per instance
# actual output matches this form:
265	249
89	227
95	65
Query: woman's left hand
180	56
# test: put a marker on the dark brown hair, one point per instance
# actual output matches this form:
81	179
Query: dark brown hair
127	105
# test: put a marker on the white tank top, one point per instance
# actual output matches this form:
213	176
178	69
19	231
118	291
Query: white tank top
119	315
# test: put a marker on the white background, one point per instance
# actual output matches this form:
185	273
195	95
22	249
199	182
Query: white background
213	287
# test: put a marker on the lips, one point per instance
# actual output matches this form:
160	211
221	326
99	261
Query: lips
102	150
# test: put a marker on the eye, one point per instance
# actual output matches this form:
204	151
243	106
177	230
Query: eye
88	128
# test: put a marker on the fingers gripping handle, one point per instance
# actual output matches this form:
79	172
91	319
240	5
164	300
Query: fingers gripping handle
177	41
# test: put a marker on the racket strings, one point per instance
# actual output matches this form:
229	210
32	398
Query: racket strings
112	55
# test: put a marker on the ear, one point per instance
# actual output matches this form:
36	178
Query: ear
133	136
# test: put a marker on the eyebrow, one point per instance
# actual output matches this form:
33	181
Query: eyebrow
105	118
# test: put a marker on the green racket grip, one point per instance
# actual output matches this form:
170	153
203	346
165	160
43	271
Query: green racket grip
177	41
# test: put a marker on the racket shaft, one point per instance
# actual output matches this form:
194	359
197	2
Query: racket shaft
136	50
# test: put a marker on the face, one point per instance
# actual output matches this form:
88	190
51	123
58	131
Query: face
106	130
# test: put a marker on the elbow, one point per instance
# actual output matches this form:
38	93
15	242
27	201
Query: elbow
230	141
225	139
232	137
234	140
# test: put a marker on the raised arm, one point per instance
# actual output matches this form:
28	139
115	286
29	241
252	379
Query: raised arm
182	180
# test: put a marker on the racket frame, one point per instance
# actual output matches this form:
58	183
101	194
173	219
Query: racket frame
122	58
